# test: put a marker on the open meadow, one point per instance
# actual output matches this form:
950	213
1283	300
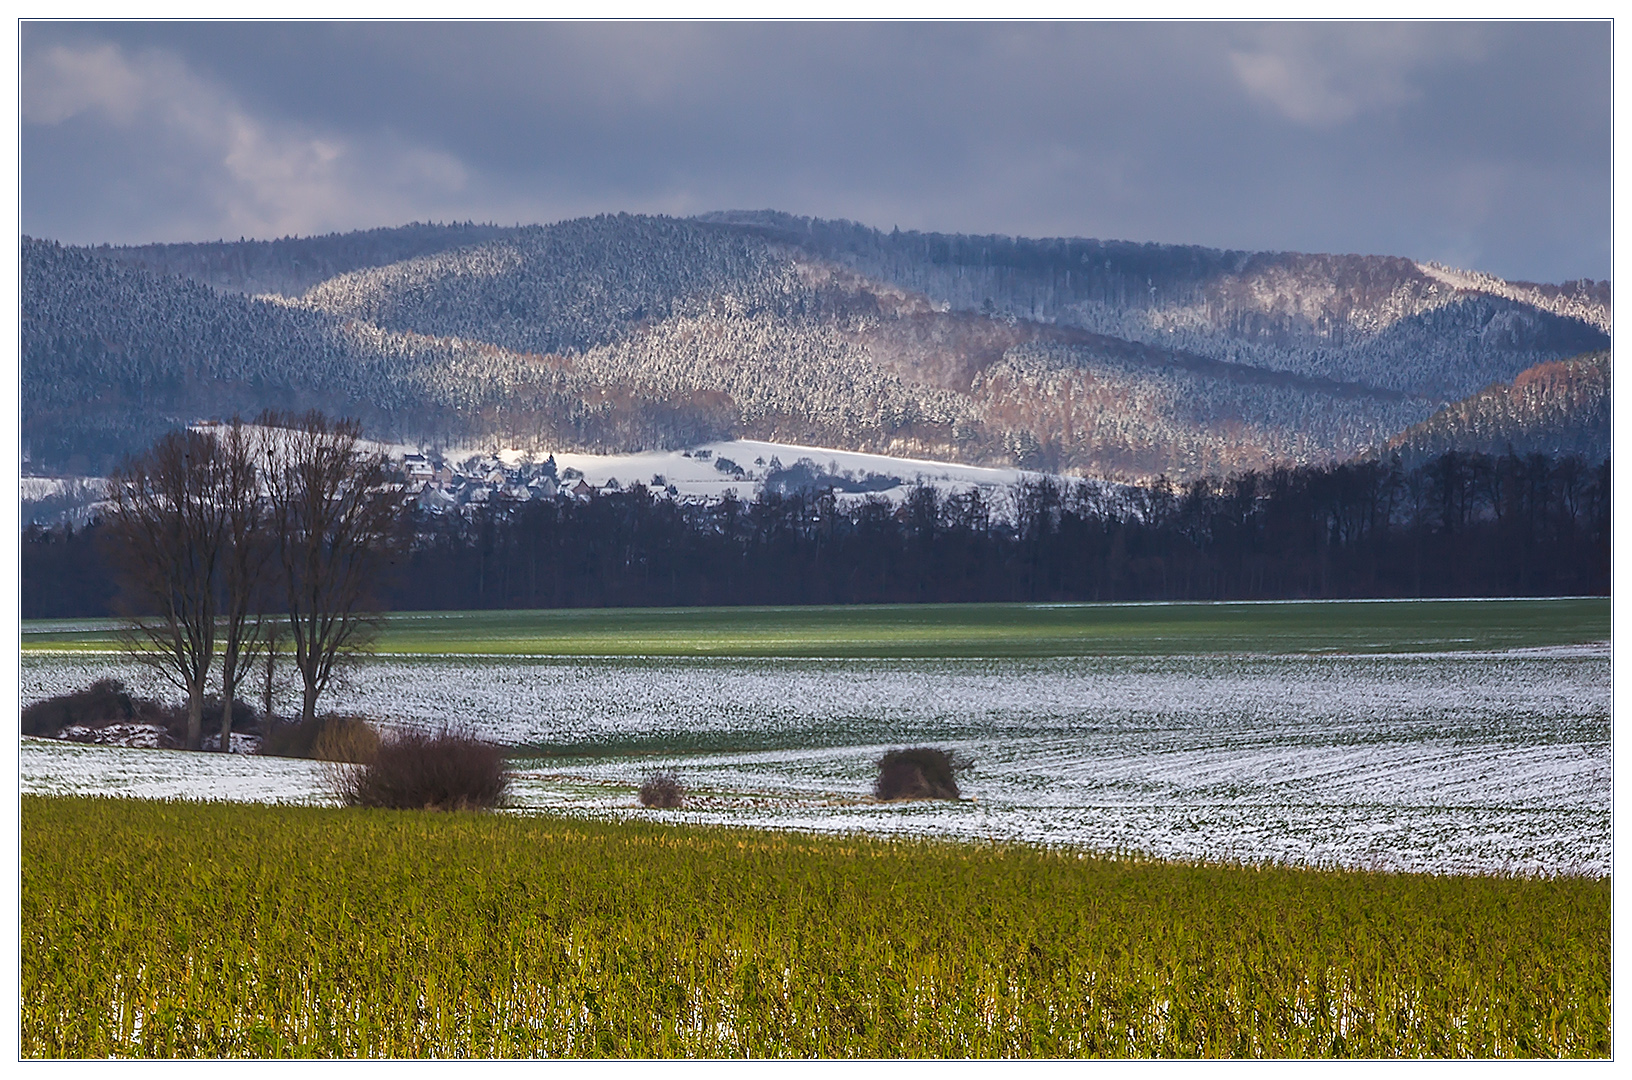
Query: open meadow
196	929
974	631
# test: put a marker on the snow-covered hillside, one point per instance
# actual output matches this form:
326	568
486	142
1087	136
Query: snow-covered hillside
630	333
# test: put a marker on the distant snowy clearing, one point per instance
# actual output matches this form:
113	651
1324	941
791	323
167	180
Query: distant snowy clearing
697	474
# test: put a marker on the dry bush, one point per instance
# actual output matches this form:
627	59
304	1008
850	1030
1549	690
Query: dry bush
103	702
328	737
662	791
347	739
918	773
414	770
107	702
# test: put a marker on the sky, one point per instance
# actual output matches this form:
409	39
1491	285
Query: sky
1479	145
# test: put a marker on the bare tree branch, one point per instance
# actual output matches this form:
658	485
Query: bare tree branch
164	535
336	508
246	563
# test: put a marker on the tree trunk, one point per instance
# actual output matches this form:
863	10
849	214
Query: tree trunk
228	685
195	718
308	702
226	726
266	692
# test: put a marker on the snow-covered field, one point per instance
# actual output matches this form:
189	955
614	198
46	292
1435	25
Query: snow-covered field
1443	762
52	766
35	488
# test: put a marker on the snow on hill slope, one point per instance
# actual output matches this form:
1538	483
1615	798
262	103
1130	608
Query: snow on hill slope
629	333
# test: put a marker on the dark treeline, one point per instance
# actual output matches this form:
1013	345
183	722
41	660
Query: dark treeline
1459	525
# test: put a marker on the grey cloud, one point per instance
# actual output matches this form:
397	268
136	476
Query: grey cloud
1325	74
1484	141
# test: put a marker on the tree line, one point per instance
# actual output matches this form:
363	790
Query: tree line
239	542
1458	525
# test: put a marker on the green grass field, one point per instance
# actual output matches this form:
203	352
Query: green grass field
963	630
176	929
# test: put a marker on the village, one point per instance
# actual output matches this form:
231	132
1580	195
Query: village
439	486
460	481
457	481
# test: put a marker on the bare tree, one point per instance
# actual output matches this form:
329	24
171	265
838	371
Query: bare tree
336	509
274	642
164	534
246	563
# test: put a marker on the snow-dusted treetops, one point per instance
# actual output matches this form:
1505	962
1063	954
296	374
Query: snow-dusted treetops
1558	408
625	333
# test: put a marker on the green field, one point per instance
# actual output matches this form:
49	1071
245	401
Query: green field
177	929
963	630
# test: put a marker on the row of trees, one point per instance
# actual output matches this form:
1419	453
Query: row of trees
1461	525
221	540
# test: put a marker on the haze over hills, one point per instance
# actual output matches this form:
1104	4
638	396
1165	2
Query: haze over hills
628	333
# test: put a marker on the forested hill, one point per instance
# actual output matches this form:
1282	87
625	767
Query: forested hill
628	332
1559	408
294	264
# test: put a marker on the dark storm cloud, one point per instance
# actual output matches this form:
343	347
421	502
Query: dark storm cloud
1484	145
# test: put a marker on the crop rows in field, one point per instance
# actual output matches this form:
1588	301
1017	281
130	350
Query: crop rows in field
1457	762
164	929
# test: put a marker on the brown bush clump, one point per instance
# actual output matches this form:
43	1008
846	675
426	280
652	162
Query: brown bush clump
103	702
328	737
918	773
108	703
662	791
348	740
414	770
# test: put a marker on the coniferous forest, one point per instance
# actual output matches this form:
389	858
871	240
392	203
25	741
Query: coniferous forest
1456	525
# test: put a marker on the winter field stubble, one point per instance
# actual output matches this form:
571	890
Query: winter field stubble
196	929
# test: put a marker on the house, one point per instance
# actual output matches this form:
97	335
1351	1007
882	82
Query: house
436	501
582	490
417	466
544	487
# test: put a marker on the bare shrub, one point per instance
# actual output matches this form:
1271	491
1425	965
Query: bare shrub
103	702
328	737
414	770
347	739
918	773
662	791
